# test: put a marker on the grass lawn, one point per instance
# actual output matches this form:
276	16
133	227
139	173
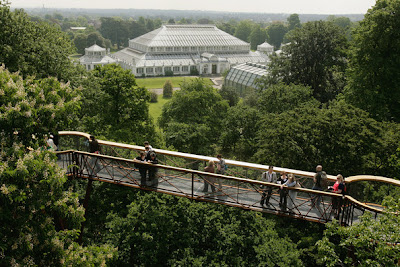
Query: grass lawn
158	82
156	108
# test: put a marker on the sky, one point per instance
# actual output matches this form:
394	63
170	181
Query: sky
261	6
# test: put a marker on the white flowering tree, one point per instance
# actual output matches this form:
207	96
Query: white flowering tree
32	108
39	219
39	216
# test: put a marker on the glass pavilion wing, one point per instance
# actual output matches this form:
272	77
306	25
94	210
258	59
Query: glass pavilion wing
246	74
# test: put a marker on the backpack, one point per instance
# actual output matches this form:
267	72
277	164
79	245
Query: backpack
324	181
224	167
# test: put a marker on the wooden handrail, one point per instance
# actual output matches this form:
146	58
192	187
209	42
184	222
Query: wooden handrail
365	206
371	178
242	164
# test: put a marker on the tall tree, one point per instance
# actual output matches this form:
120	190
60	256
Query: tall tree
243	30
39	219
315	57
114	106
115	29
275	34
33	48
35	108
373	80
192	120
241	125
257	36
340	137
293	22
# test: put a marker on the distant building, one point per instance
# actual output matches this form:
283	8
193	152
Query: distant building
266	48
245	76
95	55
184	50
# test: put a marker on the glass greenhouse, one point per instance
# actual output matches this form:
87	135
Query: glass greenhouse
245	76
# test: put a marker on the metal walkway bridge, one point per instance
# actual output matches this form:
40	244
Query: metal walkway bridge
178	174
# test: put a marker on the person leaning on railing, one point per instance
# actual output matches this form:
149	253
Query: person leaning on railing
153	170
142	168
338	188
282	192
291	182
208	179
94	146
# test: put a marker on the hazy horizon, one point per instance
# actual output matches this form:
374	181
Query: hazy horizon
257	6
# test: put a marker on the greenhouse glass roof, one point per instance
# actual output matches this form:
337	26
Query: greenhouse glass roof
188	35
246	74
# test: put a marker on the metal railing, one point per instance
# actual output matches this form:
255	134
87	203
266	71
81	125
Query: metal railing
302	203
79	141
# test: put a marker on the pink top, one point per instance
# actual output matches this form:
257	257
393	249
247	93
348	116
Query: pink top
336	187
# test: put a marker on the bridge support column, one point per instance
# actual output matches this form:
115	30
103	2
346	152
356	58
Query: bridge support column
85	206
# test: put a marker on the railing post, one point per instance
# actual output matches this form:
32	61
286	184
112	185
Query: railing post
192	185
75	164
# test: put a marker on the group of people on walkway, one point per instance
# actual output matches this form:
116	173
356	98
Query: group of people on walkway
285	181
149	177
218	167
148	173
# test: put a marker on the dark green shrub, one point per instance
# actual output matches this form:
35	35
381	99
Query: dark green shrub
169	73
194	72
153	97
167	89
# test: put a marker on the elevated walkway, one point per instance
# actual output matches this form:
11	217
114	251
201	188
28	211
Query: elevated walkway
178	174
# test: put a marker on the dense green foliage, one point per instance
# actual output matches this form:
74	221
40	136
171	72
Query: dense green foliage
374	62
154	229
39	215
275	34
119	31
339	137
230	94
314	57
33	48
257	37
196	234
293	22
39	218
85	40
32	108
372	242
115	107
192	119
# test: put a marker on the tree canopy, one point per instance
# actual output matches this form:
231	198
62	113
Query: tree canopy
372	242
192	119
275	34
33	48
114	106
339	137
35	107
314	57
373	83
196	234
